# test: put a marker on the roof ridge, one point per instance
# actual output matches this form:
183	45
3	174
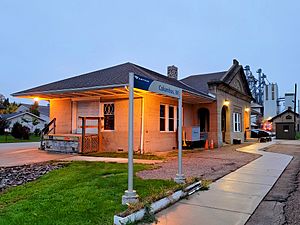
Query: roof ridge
205	74
166	77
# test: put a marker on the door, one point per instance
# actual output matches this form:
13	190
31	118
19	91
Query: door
223	122
285	131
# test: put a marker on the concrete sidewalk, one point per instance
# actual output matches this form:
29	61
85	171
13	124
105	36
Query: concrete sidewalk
232	199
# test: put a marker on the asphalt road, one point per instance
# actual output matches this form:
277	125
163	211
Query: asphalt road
15	154
282	204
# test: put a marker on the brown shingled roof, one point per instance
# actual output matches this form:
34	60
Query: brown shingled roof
200	82
116	75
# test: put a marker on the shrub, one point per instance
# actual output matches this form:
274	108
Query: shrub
4	124
37	132
20	132
25	133
17	130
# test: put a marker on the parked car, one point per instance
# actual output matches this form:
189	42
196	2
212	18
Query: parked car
258	133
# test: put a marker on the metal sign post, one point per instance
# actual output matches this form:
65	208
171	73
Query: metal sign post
144	83
147	84
130	195
180	176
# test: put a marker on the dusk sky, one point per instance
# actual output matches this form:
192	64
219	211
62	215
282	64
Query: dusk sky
45	41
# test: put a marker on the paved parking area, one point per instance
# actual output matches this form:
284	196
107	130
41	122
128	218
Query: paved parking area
16	154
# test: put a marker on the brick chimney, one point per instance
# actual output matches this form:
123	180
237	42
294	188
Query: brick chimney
173	72
235	62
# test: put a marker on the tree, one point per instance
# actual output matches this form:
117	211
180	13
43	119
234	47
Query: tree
11	108
2	98
6	102
34	109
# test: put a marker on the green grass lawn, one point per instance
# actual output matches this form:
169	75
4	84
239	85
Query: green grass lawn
124	155
80	193
298	136
11	139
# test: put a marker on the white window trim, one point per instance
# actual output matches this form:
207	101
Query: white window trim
167	118
161	117
237	121
174	118
102	116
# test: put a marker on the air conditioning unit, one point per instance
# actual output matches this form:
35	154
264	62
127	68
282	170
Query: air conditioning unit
191	135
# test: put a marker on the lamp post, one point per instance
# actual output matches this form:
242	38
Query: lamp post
6	130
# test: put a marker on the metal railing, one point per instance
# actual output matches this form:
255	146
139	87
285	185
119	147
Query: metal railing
47	129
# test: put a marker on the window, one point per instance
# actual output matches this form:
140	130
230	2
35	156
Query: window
167	120
267	92
237	122
109	116
289	117
162	116
171	118
273	92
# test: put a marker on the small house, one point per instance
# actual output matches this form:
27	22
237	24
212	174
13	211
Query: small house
27	119
90	111
285	124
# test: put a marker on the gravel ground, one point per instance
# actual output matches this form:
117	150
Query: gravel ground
282	204
18	175
204	164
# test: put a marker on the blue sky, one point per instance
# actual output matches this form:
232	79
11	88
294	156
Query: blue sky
44	41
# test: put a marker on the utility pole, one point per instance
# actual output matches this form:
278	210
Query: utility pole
295	107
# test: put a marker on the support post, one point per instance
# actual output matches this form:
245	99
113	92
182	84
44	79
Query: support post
130	195
180	176
83	133
99	134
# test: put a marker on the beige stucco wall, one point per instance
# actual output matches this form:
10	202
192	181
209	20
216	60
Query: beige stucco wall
154	139
213	123
118	139
61	110
236	105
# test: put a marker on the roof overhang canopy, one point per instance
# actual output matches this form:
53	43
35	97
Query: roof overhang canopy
115	92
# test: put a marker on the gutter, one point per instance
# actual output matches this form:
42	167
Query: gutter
67	90
18	94
201	95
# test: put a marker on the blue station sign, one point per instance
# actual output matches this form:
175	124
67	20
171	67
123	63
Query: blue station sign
147	84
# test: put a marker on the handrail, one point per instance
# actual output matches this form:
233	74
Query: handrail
46	128
46	131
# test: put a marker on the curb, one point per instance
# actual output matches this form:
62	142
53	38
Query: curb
158	205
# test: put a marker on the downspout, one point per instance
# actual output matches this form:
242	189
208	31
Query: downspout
142	126
142	121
